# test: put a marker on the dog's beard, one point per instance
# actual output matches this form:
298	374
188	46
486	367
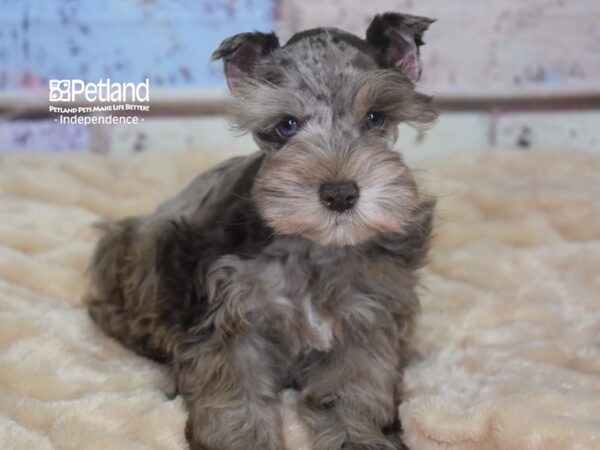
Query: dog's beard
286	193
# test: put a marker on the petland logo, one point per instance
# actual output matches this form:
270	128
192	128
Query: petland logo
103	91
102	103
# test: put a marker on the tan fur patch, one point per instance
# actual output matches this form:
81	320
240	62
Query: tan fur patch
287	193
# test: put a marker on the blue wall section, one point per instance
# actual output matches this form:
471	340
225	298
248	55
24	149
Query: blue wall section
168	41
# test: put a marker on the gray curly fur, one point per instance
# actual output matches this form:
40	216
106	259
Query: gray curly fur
247	285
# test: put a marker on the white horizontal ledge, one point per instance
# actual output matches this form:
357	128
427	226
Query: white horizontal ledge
189	103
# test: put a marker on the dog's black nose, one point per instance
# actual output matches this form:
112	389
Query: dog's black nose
339	196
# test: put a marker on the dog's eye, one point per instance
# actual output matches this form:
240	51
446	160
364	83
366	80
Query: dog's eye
374	119
287	127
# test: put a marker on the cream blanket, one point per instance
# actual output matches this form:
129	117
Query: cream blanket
509	338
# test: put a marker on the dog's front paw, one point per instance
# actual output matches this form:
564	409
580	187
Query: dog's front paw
391	443
234	429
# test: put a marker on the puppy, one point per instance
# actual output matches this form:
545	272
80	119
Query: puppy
294	267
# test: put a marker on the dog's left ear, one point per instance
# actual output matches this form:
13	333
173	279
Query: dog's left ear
397	38
241	52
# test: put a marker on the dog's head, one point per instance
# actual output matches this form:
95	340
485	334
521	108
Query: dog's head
325	108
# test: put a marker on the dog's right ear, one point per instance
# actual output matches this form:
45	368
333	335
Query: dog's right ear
241	52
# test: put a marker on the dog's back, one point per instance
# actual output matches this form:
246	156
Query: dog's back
140	259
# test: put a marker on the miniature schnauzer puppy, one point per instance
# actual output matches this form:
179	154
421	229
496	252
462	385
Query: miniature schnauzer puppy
292	268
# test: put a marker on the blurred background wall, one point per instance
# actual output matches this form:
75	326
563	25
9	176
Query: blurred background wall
505	73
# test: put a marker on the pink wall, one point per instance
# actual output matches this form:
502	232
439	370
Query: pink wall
482	46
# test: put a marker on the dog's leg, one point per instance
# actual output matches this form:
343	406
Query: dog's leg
350	400
231	393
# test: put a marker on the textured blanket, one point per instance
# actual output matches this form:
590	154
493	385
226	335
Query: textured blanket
508	342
